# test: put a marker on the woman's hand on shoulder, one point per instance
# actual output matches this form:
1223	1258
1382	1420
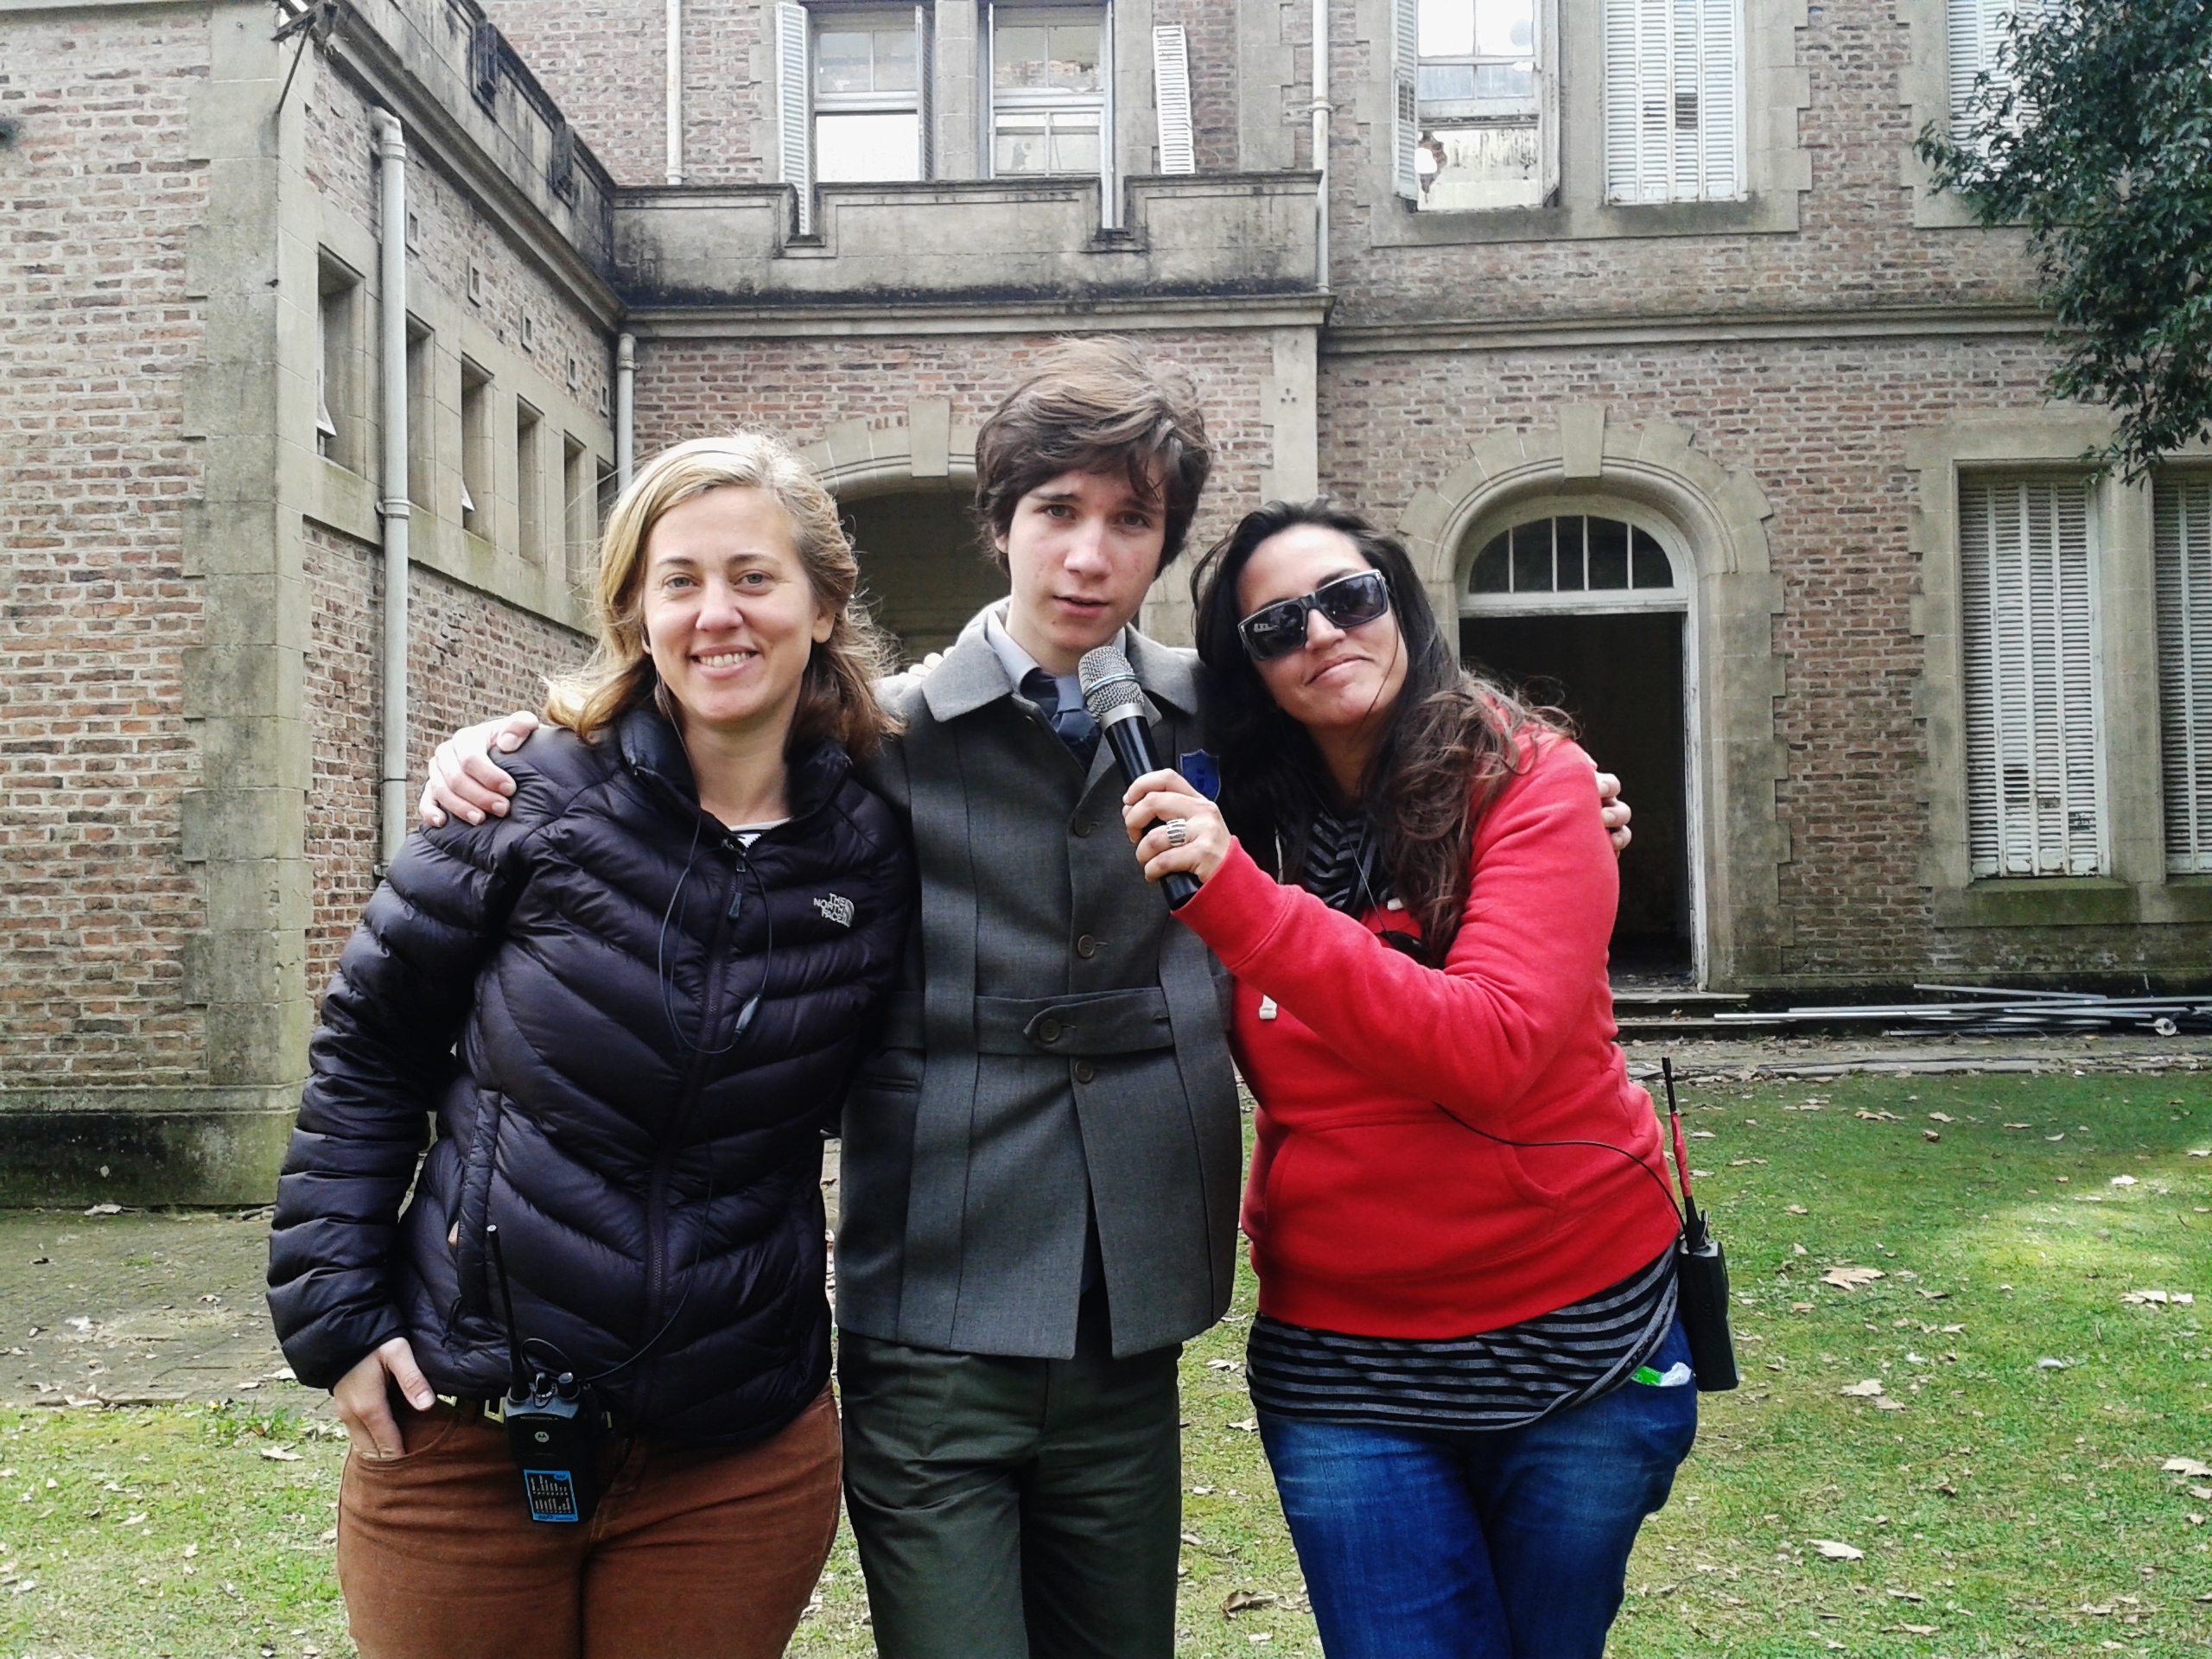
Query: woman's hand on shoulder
1613	813
465	781
1168	797
364	1401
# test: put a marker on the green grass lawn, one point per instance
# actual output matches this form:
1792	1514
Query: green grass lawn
2001	1506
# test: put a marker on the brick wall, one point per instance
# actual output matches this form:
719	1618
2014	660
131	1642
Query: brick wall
95	198
1822	427
605	63
799	388
472	657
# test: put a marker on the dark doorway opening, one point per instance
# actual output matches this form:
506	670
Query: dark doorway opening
921	568
1620	678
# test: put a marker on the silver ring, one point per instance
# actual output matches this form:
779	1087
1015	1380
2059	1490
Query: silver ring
1179	831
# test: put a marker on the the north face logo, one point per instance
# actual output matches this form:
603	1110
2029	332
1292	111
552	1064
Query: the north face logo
837	908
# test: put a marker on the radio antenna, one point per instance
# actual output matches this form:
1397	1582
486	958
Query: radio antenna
517	1363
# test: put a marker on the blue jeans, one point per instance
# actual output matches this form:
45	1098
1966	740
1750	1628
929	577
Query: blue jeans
1505	1544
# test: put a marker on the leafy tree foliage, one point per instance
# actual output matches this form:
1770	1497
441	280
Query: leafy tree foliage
2095	132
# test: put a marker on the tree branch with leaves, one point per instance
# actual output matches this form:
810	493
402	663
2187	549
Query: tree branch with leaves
2093	131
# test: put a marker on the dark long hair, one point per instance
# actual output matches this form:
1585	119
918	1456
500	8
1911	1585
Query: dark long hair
1453	740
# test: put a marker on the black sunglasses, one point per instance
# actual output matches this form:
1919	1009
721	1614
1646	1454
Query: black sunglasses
1277	630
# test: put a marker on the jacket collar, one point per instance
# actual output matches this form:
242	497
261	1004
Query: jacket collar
652	748
971	674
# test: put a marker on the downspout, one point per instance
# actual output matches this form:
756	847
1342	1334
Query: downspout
675	93
1321	113
625	381
391	157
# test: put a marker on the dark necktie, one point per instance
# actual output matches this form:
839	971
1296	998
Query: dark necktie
1075	726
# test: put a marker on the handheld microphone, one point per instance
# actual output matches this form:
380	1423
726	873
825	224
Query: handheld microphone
1110	692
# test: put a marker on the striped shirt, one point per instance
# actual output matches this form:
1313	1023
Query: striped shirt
1501	1379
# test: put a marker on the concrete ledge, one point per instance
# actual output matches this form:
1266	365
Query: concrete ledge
144	1147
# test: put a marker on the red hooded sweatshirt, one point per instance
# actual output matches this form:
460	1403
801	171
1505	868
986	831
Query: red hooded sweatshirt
1370	1211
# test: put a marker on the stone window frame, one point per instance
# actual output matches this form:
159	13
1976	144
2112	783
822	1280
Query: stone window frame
1778	169
2138	888
1713	521
1924	86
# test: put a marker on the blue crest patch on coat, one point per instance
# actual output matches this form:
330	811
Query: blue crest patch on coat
1201	771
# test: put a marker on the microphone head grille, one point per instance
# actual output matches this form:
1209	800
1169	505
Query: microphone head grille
1108	682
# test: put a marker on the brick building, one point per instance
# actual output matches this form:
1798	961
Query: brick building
1640	323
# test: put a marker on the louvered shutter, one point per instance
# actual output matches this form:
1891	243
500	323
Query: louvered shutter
794	128
2034	742
1968	36
1171	90
925	98
2181	540
1674	100
1405	107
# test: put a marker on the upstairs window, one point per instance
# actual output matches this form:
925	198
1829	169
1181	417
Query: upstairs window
1477	91
867	96
1975	33
1674	101
2028	617
2182	551
1048	90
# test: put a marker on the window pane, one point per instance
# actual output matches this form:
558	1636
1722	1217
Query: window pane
1652	570
1517	80
1439	82
1017	56
1021	147
1074	144
842	62
866	149
1608	553
1447	28
1074	63
1503	29
1570	555
1493	572
1532	557
894	61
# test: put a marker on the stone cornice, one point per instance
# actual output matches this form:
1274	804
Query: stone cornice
1503	335
1145	313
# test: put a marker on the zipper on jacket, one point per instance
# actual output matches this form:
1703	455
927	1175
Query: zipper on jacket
710	1003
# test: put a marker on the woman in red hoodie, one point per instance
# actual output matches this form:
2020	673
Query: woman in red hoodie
1469	1375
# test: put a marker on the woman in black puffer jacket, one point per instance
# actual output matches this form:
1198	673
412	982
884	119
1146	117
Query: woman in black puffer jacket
659	967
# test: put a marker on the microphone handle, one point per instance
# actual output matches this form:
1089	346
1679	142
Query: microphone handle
1132	741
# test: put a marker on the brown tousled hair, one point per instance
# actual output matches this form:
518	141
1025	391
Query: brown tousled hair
1093	406
836	698
1452	741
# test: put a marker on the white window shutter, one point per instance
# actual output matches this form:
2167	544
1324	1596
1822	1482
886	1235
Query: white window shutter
1674	100
2035	760
1405	106
925	96
2181	542
794	127
1171	93
1968	39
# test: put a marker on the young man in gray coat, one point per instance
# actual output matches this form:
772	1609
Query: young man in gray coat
1041	1159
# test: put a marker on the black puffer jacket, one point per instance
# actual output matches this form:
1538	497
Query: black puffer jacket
655	1195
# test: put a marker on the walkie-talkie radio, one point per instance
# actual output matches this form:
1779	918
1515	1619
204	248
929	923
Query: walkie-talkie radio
1700	1274
553	1423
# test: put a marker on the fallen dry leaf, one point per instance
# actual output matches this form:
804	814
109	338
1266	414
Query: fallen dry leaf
1935	1295
1941	1117
1852	1278
1878	1117
2189	1466
2142	1298
2019	1126
1239	1600
1870	1389
1838	1552
1907	1595
2123	1180
1917	1629
1931	1135
1249	1425
1795	1209
1889	1405
280	1454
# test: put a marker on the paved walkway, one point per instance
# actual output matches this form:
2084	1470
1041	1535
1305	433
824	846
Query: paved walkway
136	1308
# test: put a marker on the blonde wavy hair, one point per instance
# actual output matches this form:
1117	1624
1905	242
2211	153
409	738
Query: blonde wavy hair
836	699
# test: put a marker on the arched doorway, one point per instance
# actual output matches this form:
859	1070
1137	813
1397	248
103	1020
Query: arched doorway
1588	610
921	568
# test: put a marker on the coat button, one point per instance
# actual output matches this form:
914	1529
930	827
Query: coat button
1084	1071
1048	1030
1080	828
1086	946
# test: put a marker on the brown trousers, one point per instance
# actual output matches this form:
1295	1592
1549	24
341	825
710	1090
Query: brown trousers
693	1554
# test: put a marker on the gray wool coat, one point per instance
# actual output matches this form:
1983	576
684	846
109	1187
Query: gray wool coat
1056	1046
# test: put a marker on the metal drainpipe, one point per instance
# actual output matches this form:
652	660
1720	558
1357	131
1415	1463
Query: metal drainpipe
391	157
675	93
1321	113
626	380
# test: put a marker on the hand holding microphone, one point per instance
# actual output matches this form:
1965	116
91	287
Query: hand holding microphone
1179	836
